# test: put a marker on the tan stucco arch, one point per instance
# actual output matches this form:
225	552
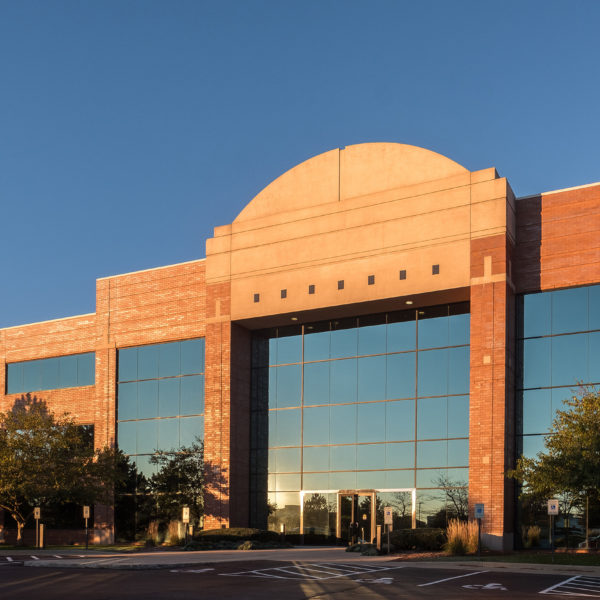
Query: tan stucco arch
340	174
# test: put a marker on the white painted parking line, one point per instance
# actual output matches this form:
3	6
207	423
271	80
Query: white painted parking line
312	571
9	559
580	585
450	578
57	556
34	557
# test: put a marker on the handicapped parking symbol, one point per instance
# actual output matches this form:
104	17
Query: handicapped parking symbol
489	586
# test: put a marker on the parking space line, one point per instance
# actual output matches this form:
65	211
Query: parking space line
313	571
579	585
9	559
450	578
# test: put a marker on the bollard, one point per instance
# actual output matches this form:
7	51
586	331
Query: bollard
282	532
379	538
41	540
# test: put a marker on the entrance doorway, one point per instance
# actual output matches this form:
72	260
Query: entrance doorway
356	515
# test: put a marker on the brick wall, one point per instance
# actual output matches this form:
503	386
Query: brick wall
145	307
558	239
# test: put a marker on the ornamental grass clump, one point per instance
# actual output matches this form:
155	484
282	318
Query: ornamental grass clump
531	536
461	537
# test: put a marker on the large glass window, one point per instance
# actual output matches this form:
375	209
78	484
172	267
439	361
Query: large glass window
558	349
75	370
160	399
378	402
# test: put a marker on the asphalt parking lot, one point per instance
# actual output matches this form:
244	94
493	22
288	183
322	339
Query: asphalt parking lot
291	580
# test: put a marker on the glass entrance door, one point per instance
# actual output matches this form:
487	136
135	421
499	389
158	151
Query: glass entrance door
356	516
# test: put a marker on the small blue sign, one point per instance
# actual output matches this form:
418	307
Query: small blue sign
479	510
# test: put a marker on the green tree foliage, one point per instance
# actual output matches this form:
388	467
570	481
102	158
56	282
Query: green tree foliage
569	469
179	482
47	459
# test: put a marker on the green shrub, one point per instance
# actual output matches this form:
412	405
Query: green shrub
235	534
429	539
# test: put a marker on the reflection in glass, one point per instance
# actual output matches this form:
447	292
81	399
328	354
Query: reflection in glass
370	456
536	315
343	381
401	335
570	310
432	454
288	427
401	372
168	397
458	416
316	425
400	420
168	434
432	418
372	339
147	398
434	331
569	359
289	386
536	361
316	383
190	429
342	458
458	453
433	373
147	436
168	360
371	378
537	410
316	459
342	425
371	422
344	342
356	420
400	456
127	401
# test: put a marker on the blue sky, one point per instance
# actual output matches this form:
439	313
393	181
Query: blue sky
129	129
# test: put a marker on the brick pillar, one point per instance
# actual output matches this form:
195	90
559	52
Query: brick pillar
491	445
105	412
217	411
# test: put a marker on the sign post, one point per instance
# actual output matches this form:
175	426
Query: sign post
552	511
388	520
479	512
36	515
185	517
86	516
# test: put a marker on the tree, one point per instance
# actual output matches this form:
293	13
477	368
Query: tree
457	497
179	482
570	466
47	459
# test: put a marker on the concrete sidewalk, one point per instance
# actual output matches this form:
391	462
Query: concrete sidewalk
171	560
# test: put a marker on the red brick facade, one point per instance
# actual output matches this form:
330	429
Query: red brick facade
537	243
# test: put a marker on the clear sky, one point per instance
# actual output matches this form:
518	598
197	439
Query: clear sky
130	128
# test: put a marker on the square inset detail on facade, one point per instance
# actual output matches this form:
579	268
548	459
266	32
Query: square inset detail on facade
256	297
311	289
284	293
341	284
371	279
403	274
435	269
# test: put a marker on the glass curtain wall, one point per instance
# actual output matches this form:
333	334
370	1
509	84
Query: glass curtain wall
160	399
378	402
559	350
160	407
